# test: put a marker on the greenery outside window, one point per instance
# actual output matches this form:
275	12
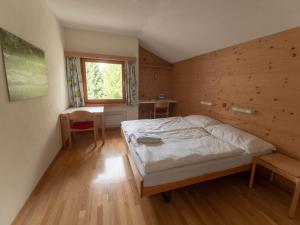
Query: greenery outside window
103	81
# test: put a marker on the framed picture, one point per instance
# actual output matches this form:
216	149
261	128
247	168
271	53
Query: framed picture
25	67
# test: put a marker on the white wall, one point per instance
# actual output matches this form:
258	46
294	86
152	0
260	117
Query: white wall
107	44
29	134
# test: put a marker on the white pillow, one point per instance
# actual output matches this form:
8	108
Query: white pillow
201	121
239	138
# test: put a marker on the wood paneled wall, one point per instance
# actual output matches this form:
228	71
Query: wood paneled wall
154	75
263	74
154	78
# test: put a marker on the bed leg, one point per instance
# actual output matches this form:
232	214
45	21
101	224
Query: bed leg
166	196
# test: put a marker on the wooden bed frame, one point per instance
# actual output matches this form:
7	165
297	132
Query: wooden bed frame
146	191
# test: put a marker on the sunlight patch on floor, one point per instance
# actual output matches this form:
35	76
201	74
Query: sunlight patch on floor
114	170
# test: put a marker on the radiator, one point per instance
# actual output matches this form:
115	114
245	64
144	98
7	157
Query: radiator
114	119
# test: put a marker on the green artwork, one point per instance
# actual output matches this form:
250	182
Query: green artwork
25	67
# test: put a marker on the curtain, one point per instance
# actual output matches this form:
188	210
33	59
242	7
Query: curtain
131	83
74	82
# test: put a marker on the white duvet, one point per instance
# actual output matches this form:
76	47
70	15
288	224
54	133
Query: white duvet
183	147
156	125
182	144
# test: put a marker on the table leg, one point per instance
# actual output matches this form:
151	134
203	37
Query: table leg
252	174
295	200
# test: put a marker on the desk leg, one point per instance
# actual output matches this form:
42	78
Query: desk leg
64	130
69	133
252	173
295	200
95	134
103	127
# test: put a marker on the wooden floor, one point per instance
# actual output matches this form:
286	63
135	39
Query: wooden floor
89	187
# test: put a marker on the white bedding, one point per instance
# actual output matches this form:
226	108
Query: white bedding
202	121
237	137
156	125
183	147
183	143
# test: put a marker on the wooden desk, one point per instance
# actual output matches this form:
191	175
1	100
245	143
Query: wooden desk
154	101
98	111
285	166
146	106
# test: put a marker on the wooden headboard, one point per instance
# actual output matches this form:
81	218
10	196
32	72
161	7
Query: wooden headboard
263	74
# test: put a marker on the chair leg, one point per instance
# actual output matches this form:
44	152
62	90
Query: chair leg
167	196
252	174
95	136
271	176
295	200
70	140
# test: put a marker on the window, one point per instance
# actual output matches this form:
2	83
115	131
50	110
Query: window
103	81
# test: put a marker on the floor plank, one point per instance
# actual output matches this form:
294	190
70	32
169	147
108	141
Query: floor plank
86	186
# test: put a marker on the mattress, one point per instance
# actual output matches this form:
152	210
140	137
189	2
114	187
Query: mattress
193	170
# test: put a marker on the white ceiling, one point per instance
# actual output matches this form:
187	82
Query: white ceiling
180	29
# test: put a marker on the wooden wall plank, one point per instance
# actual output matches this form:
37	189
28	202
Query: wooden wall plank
148	58
263	74
154	78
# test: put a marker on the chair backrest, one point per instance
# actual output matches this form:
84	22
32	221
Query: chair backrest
81	116
161	106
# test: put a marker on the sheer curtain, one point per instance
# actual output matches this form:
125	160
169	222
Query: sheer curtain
131	83
74	82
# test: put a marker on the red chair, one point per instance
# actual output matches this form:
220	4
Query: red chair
80	121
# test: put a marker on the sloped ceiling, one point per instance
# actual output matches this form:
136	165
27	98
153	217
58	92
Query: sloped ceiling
180	29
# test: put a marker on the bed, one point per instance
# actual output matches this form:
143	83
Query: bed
191	150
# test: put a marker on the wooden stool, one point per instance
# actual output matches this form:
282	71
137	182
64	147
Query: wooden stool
285	166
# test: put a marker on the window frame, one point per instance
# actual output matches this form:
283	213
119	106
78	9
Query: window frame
84	81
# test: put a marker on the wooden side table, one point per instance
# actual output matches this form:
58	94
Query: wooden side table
285	166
